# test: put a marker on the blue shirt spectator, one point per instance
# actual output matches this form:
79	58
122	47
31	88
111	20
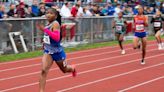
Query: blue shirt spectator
135	11
35	10
158	3
1	14
111	10
2	11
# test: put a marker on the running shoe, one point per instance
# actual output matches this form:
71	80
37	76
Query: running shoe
74	73
123	52
142	62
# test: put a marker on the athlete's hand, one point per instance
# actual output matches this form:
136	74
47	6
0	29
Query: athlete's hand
40	26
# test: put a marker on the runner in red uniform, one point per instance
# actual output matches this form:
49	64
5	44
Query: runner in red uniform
140	22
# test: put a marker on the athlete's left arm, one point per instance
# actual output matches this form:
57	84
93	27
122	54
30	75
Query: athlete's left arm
152	20
125	22
146	21
54	33
162	19
162	22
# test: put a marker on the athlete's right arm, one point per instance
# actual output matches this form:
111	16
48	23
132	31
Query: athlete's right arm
113	23
133	24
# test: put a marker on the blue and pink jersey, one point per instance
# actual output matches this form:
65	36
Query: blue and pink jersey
52	39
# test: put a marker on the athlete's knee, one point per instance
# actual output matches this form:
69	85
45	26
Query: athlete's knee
44	72
156	35
120	40
134	47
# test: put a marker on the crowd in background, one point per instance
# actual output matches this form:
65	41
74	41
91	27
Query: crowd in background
38	9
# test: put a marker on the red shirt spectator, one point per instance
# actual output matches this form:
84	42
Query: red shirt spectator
74	10
21	11
48	1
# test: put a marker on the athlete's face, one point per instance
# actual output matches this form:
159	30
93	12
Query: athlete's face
50	15
120	14
158	13
140	10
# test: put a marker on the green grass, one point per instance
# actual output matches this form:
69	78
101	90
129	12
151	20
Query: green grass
12	57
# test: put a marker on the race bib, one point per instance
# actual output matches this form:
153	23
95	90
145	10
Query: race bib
140	27
46	39
118	28
157	24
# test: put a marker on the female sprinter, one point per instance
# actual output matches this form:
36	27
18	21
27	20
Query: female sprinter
53	51
157	21
140	22
119	25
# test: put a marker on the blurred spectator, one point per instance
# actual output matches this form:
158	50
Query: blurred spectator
125	10
162	8
29	13
105	10
150	10
145	9
49	3
2	11
42	11
65	11
11	12
86	12
80	9
158	3
130	11
20	10
35	8
100	9
96	11
117	9
74	10
110	9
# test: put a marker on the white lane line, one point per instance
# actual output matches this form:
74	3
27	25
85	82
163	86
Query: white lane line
141	84
111	77
83	72
67	53
93	61
4	70
10	69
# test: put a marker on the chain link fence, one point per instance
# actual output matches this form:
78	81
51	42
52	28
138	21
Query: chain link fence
74	32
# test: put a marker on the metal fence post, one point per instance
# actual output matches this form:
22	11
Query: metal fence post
91	20
33	43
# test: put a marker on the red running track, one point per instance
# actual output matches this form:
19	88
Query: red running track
99	70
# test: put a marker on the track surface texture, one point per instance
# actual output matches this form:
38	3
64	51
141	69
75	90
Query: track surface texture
98	70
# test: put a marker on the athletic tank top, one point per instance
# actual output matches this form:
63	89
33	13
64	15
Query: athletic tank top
157	22
119	25
51	45
139	23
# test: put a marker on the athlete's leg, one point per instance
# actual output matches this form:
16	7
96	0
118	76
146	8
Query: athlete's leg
46	65
157	36
144	43
65	68
159	40
121	40
118	39
136	42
